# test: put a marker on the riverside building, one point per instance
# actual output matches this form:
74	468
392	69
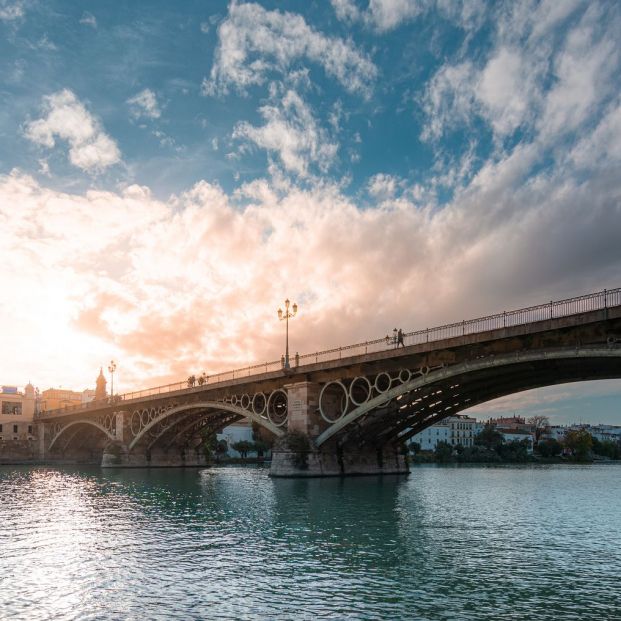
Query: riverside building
453	430
17	411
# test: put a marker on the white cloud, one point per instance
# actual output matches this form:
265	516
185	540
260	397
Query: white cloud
144	104
346	10
526	82
66	118
88	19
10	11
507	90
602	146
388	14
383	186
449	99
584	73
291	132
254	42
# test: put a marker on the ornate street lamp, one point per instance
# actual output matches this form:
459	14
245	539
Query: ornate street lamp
112	369
285	317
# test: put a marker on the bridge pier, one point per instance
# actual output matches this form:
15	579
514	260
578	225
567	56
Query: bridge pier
296	455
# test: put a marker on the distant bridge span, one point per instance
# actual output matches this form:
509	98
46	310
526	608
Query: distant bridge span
356	405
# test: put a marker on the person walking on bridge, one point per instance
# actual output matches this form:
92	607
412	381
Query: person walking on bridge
400	338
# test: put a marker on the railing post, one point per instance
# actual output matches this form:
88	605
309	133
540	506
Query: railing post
551	303
504	319
427	335
605	299
463	327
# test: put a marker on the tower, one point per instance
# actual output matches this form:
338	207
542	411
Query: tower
100	390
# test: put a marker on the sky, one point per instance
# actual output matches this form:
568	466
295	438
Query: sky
171	172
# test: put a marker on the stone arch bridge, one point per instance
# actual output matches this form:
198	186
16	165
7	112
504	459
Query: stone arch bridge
350	410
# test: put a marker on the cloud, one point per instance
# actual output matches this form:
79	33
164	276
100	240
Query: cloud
383	186
66	118
88	19
292	132
192	283
526	83
254	43
10	11
144	104
386	15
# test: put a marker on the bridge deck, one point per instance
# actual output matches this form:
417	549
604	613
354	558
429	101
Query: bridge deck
553	316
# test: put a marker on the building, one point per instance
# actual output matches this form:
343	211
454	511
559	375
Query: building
17	411
454	430
58	398
518	435
429	438
511	422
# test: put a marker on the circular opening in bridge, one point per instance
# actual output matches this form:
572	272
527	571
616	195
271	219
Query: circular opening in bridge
136	423
234	400
144	418
405	375
423	370
333	401
383	382
360	390
245	401
277	408
259	403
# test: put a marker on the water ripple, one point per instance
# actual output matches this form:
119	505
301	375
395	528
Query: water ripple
468	544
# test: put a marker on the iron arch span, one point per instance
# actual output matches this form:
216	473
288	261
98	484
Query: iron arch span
207	407
75	423
513	373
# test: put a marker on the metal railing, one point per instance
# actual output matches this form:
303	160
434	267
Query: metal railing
551	310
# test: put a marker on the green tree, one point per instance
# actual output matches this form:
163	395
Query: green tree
243	447
443	452
414	447
580	442
210	443
489	438
549	448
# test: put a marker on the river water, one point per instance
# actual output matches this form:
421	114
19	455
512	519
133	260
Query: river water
230	543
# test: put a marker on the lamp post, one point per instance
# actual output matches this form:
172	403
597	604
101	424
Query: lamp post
112	369
285	317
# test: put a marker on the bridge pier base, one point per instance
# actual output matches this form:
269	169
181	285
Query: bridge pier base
287	462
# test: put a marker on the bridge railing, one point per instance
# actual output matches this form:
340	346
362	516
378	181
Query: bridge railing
551	310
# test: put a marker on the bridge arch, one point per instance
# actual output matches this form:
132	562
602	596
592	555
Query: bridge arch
469	368
92	423
212	406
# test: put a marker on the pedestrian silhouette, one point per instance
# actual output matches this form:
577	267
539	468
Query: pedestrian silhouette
400	338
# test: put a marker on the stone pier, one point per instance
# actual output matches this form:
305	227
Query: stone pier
295	455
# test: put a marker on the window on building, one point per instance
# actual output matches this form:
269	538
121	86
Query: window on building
0	428
14	428
30	429
11	409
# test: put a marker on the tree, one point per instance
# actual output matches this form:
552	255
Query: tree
549	448
489	438
540	424
191	381
414	447
444	451
580	442
243	447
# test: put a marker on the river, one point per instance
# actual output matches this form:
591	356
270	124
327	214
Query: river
462	543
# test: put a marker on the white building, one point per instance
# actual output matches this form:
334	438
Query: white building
517	435
429	438
453	430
